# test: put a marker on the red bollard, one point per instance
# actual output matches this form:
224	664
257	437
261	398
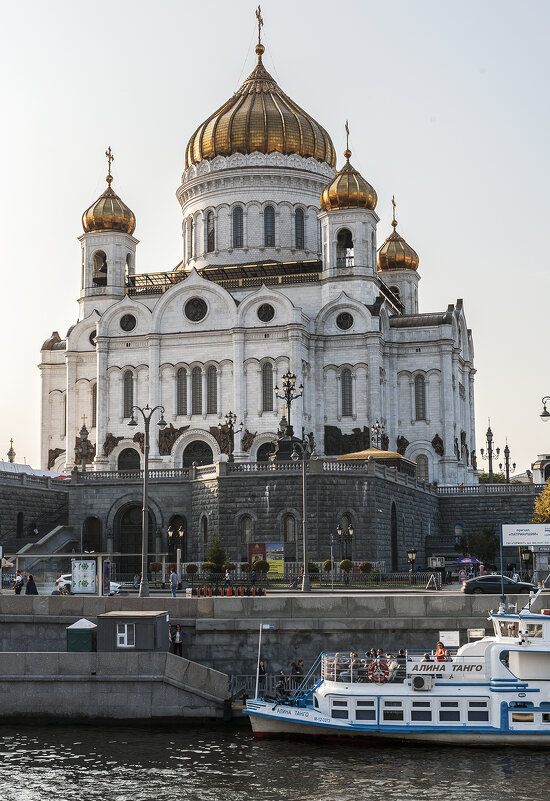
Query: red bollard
254	591
210	592
242	590
198	592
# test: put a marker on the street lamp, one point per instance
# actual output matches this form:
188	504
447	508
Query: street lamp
526	555
490	454
545	414
230	420
507	466
172	534
289	393
146	413
377	431
295	455
411	556
344	536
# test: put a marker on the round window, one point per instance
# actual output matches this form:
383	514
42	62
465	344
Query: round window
195	309
128	322
266	312
344	321
92	338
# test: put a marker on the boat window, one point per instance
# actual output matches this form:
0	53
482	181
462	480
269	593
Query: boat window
340	713
395	713
449	703
477	710
337	712
546	717
339	703
421	703
523	717
449	711
365	714
534	629
421	714
365	703
315	702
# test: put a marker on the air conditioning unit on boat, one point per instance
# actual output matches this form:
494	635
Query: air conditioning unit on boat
422	683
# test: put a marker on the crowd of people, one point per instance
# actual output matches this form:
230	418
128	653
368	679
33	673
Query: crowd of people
28	584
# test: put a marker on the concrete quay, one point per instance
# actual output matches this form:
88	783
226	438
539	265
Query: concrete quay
222	633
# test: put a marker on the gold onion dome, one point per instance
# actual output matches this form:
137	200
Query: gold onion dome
348	190
395	253
109	213
260	117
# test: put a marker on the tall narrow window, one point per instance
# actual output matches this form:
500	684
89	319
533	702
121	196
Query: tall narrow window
269	226
181	391
344	249
196	391
422	467
210	238
237	227
290	528
420	397
246	528
128	390
299	226
347	406
211	391
189	240
267	387
94	406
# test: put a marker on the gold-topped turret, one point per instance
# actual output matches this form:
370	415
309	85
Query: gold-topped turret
395	253
348	189
109	213
260	117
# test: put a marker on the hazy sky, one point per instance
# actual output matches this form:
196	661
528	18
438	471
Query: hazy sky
448	109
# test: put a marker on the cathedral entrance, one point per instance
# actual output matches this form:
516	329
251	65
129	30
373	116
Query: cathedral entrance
127	540
128	459
199	452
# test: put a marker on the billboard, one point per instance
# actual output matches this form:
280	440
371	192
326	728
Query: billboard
83	572
275	556
526	534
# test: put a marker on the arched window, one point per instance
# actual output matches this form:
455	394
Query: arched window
211	391
196	391
299	228
269	226
199	452
210	237
267	387
344	248
264	452
246	529
422	467
189	240
94	406
237	227
181	391
99	277
420	397
347	406
128	459
290	528
128	393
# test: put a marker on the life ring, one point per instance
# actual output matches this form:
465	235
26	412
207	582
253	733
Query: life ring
379	671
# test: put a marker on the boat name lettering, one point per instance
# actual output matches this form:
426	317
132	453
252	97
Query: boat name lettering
438	667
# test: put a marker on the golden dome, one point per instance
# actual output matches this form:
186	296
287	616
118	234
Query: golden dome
109	213
348	190
260	117
395	253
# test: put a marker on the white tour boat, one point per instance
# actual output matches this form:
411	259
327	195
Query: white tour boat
494	690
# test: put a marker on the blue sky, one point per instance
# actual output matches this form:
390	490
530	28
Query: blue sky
448	110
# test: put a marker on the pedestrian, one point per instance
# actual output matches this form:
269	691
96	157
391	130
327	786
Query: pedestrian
136	581
227	582
301	666
177	641
515	576
173	582
440	652
30	589
253	578
262	676
18	583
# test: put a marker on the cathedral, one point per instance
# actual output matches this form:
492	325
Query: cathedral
281	272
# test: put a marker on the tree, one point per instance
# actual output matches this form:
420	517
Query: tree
245	567
346	566
542	506
217	555
498	478
192	569
365	567
482	544
260	566
327	565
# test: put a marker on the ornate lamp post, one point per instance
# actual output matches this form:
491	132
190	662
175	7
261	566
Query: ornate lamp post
289	394
172	534
526	555
411	557
344	536
82	451
305	455
490	454
146	413
545	414
509	468
230	420
377	432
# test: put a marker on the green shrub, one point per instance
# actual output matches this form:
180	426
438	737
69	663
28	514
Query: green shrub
260	566
229	566
327	565
245	567
346	565
192	569
365	567
209	567
313	569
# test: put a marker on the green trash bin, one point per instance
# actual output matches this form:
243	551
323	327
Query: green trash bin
82	636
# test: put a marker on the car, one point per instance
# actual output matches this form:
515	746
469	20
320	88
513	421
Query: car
65	582
493	585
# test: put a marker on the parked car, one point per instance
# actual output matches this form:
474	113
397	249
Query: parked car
493	585
64	584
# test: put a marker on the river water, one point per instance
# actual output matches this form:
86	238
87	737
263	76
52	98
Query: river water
224	762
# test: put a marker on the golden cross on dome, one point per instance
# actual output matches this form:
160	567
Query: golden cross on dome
110	159
260	23
284	409
394	221
347	135
83	418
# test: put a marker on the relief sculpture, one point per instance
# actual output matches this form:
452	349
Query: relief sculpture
53	453
337	443
402	444
167	438
110	443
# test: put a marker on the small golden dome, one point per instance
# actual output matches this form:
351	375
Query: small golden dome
260	117
109	213
348	190
395	253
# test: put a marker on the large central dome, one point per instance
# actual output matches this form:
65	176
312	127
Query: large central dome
260	117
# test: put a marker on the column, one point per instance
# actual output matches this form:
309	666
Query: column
70	420
413	401
339	396
219	373
374	394
204	399
189	408
354	395
448	471
295	341
238	388
101	462
155	395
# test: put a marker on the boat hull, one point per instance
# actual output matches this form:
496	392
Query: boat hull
265	727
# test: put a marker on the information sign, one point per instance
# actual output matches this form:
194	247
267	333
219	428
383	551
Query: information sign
84	575
525	534
275	557
450	638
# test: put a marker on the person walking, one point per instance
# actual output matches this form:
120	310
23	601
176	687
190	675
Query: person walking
177	641
227	582
262	675
30	589
173	582
18	583
253	578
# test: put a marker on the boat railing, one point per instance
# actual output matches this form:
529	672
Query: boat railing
362	667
